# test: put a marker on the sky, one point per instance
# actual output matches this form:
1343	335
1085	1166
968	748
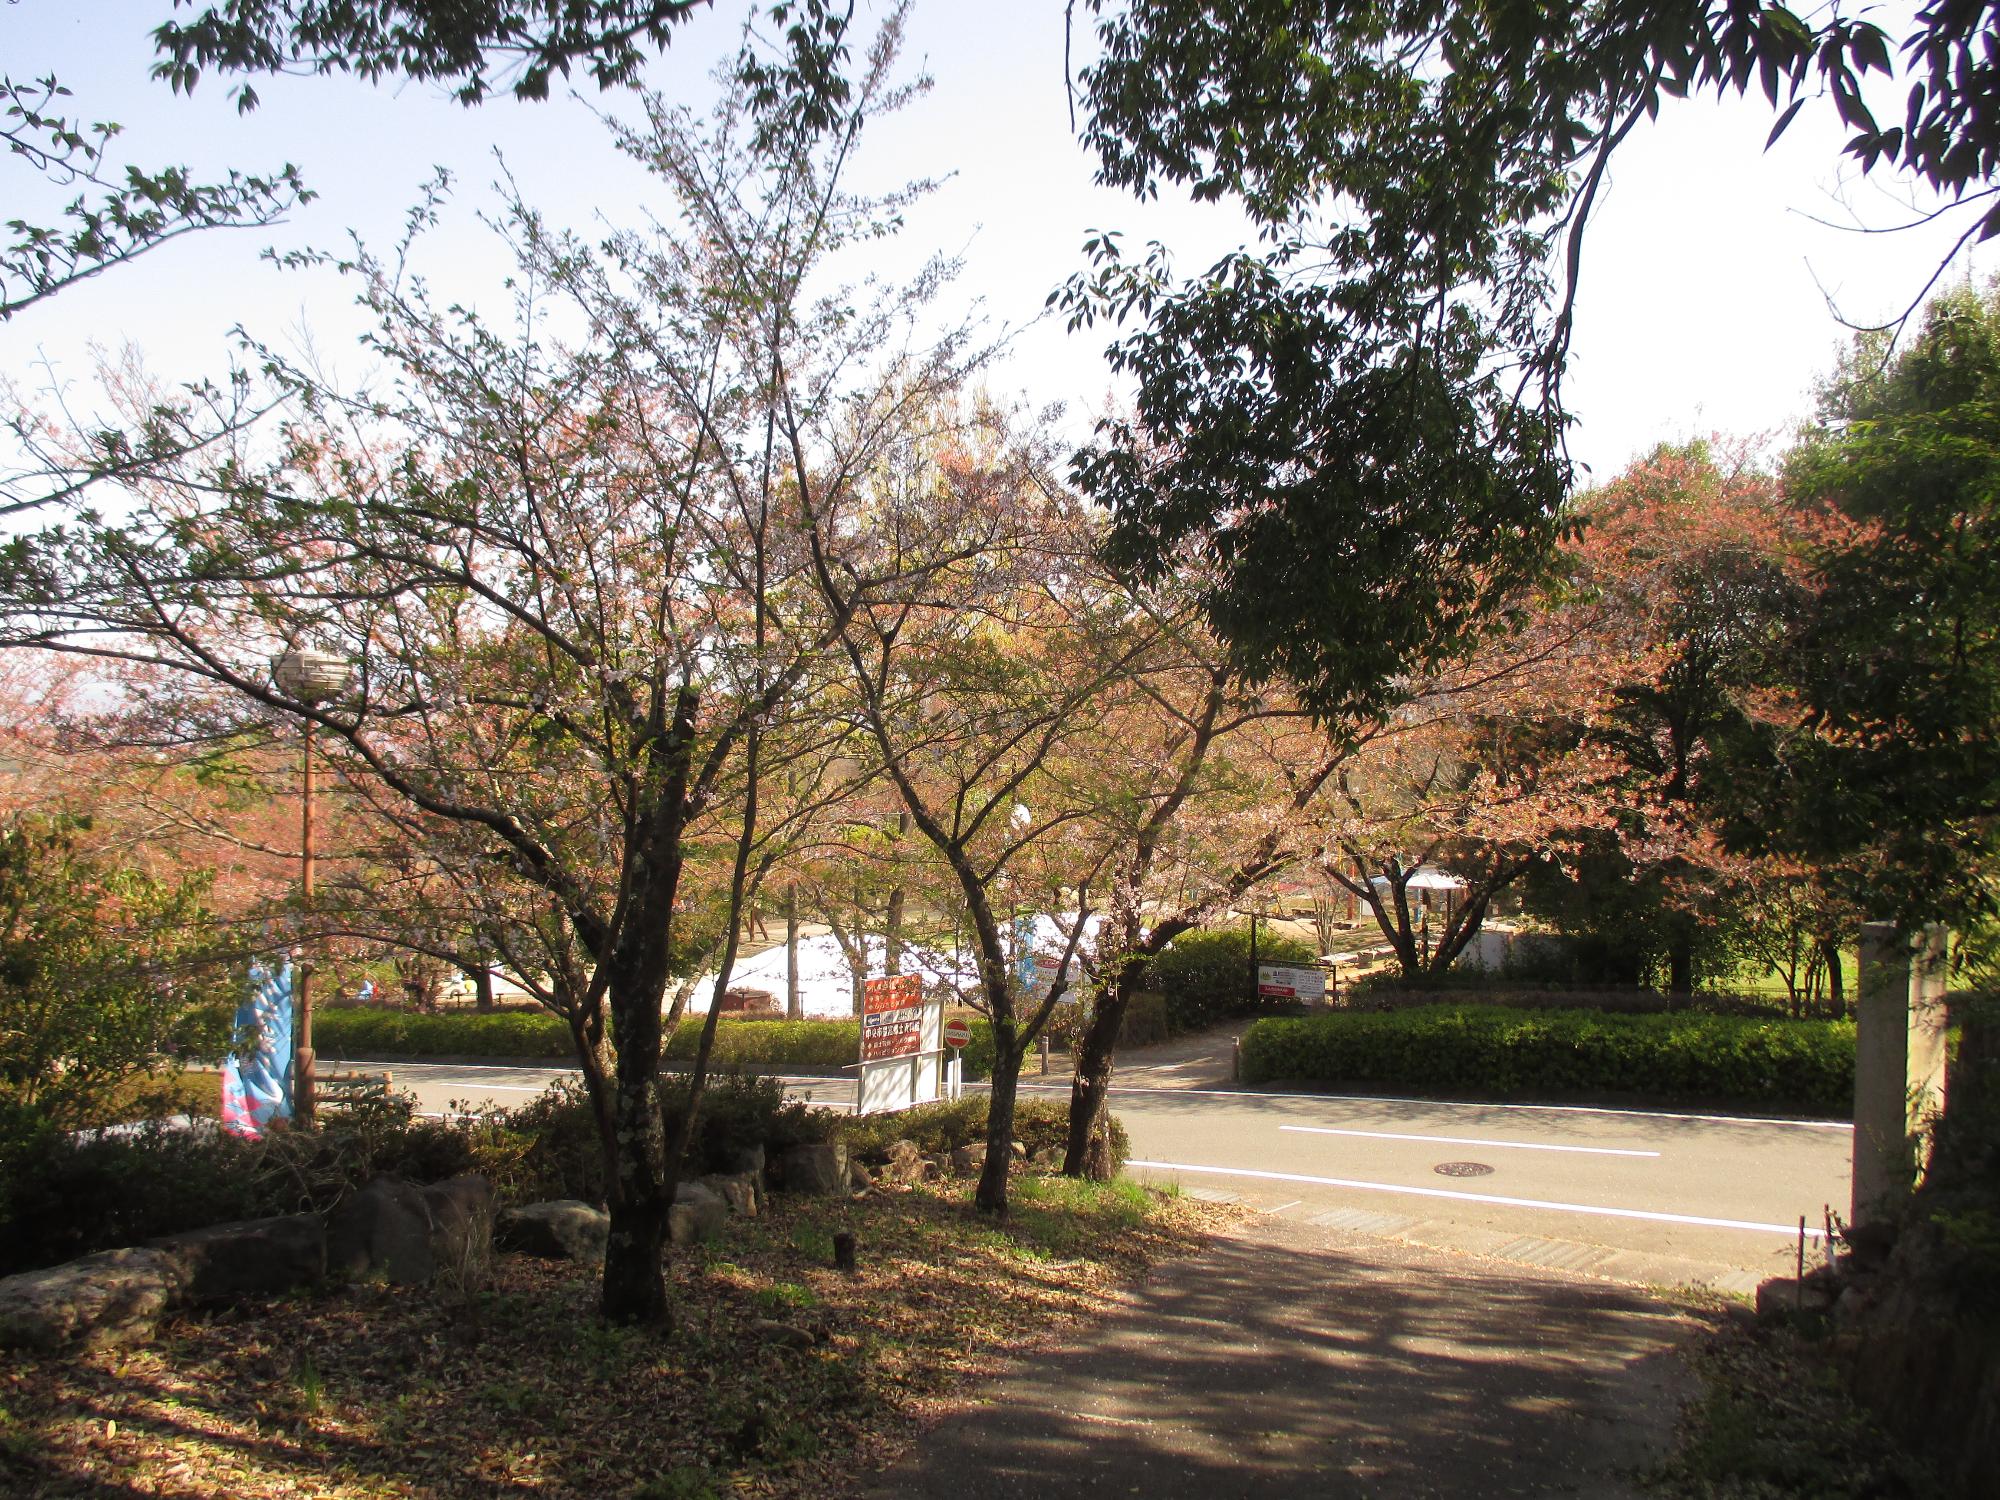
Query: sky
1708	299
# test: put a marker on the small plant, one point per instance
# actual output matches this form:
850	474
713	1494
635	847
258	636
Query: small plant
813	1243
309	1383
682	1483
780	1295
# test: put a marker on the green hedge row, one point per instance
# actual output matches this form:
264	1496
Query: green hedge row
782	1044
1489	1050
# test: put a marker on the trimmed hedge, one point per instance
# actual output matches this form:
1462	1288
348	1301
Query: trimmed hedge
1490	1050
409	1033
780	1044
1204	977
1040	1125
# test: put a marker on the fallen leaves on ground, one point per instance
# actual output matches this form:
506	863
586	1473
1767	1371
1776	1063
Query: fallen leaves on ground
780	1377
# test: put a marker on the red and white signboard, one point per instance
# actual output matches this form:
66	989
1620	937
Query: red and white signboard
1280	982
957	1032
892	1018
900	1048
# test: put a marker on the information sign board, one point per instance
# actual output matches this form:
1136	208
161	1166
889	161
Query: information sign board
1280	982
901	1051
892	1018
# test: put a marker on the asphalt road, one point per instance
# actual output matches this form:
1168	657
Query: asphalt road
1632	1195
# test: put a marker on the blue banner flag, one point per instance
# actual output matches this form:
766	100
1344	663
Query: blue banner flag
257	1077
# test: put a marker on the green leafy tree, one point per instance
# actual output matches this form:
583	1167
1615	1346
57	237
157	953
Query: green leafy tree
105	974
473	46
1900	661
1359	423
555	550
119	212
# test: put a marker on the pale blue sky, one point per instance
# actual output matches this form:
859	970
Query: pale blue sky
1701	306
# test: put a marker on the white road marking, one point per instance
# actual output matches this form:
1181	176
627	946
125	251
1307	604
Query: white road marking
1282	1207
1426	1192
1464	1140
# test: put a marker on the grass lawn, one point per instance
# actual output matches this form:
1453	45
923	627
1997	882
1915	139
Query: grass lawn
782	1377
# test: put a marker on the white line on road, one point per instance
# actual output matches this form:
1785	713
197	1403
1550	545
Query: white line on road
1425	1192
1464	1140
1282	1207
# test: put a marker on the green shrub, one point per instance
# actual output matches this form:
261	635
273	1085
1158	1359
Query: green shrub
1040	1125
1490	1050
541	1034
403	1033
64	1195
1204	977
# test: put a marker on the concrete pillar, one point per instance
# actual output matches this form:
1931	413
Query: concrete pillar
1899	1062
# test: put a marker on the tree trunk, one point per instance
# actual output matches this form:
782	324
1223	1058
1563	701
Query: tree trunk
795	1009
482	989
635	1287
1680	964
1836	993
992	1195
1088	1150
892	934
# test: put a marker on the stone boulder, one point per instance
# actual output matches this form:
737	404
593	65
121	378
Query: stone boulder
969	1161
250	1258
384	1230
1784	1296
404	1234
905	1164
699	1213
114	1297
819	1169
461	1210
739	1191
859	1178
563	1229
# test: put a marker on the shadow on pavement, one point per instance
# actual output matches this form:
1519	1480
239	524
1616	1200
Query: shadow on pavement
1287	1361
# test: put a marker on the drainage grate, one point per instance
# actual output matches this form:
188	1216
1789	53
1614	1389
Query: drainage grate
1462	1169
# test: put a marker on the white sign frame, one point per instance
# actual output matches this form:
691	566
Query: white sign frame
1286	982
887	1084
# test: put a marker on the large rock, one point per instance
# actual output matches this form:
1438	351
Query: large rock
461	1210
563	1229
905	1163
738	1191
114	1297
1785	1296
969	1161
408	1235
698	1214
384	1231
818	1169
250	1258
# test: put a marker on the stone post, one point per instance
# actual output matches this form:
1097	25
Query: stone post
1899	1058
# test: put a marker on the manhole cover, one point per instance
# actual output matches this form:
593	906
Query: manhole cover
1462	1169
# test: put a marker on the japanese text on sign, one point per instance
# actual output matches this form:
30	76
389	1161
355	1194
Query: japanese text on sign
892	1017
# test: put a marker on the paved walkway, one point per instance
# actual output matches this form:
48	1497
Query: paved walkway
1291	1360
1203	1060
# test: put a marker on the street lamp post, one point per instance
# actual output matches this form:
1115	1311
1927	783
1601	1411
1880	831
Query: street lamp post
310	677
